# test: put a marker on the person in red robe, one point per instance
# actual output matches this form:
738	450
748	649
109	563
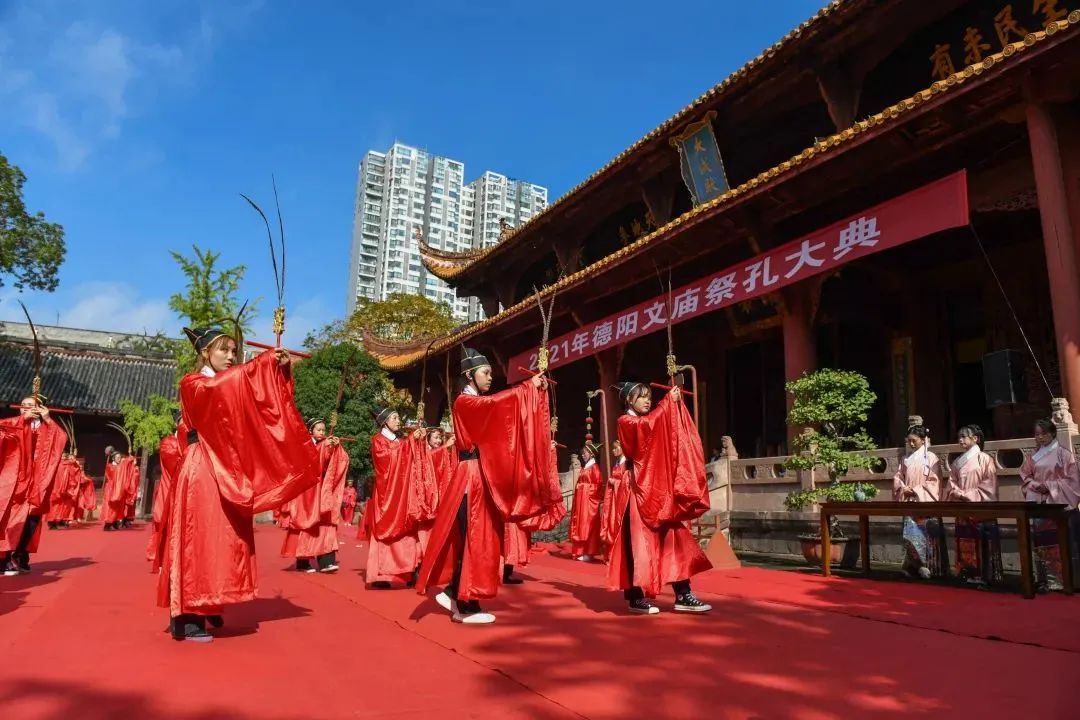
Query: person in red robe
306	517
248	451
32	446
64	490
348	503
440	448
114	496
319	539
169	453
585	513
616	488
131	487
87	501
667	488
401	500
443	457
506	473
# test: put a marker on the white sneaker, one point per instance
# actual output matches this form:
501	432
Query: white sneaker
310	570
924	573
480	618
329	569
445	602
11	573
585	558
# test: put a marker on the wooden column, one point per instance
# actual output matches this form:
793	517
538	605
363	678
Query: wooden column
1060	225
797	312
609	363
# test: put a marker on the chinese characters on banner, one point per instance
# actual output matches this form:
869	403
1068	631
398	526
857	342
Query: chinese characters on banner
986	28
941	205
699	156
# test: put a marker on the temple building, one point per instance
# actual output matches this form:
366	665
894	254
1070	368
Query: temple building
87	373
892	188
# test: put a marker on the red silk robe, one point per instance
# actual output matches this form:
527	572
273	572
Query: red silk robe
31	462
298	515
114	495
348	499
516	542
616	495
253	453
130	472
320	538
403	497
667	488
169	454
511	481
443	459
87	500
585	515
64	491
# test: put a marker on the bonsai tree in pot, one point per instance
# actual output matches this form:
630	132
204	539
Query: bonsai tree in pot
832	407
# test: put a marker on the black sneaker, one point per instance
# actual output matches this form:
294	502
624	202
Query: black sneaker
512	580
643	607
381	585
216	621
22	563
8	568
689	603
190	628
108	527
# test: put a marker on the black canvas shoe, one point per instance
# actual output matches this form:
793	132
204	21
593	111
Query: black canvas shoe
643	607
689	603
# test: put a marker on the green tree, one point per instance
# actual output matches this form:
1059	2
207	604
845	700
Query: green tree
368	388
209	295
399	317
31	248
149	425
832	407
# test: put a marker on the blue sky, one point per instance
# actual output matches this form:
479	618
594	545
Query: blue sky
138	123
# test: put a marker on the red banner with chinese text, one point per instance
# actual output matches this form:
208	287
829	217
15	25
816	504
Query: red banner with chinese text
941	205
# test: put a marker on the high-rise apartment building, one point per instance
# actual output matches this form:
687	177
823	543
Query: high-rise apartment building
404	189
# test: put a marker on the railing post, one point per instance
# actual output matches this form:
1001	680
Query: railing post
1063	419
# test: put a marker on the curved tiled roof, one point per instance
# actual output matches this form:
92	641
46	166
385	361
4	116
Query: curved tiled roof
446	269
445	264
822	148
86	381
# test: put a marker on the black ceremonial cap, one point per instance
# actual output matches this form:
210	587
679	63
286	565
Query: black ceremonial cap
383	415
201	337
471	360
625	389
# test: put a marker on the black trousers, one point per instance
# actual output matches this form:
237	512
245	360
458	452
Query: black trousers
459	556
326	560
681	587
28	531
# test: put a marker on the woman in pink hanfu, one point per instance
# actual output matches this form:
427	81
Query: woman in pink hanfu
919	480
1051	475
973	478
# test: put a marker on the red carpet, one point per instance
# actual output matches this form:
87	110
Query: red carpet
80	638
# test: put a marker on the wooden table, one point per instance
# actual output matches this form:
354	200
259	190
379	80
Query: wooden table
1022	512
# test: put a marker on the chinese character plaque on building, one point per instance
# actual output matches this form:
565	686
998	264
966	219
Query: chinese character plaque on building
702	168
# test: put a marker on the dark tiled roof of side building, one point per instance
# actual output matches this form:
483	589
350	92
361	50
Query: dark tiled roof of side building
85	380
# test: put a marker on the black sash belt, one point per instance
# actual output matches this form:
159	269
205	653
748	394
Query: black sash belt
468	455
192	437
